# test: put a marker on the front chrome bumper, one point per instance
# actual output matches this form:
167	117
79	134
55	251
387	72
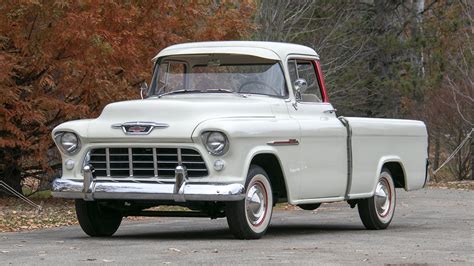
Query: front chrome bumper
180	191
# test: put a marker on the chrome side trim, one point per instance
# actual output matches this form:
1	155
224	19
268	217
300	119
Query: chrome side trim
283	142
330	111
345	122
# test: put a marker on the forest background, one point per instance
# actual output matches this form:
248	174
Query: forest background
62	60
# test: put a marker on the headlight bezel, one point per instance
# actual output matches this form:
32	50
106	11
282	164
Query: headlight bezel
59	142
205	140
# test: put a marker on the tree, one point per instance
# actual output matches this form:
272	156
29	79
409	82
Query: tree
63	60
447	107
384	58
362	46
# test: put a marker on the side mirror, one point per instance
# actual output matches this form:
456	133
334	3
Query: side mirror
300	86
143	89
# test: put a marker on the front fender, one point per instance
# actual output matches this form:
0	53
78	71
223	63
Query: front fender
290	185
248	137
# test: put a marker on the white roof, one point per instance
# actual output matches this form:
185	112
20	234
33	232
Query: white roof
268	50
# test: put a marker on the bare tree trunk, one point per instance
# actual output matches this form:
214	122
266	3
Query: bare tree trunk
417	31
436	151
472	159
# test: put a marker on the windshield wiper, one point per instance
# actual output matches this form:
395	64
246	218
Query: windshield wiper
178	91
227	91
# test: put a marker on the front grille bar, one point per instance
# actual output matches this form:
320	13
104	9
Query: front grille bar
136	162
155	163
107	161
180	158
130	161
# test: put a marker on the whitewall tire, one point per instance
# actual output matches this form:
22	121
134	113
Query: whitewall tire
250	217
377	212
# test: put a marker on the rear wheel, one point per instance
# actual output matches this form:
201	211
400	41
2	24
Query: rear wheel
96	220
377	212
250	217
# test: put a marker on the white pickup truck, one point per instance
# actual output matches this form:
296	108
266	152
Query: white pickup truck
229	129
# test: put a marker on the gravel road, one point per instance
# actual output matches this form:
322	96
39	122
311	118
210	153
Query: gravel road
430	226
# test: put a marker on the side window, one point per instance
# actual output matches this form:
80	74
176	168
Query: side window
304	69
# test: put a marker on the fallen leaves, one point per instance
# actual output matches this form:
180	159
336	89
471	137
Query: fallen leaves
460	185
15	215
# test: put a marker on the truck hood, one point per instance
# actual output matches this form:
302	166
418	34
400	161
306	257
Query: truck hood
181	114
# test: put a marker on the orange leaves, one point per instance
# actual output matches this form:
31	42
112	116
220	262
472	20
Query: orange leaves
6	67
63	60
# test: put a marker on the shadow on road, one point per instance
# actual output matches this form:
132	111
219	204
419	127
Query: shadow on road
280	231
288	230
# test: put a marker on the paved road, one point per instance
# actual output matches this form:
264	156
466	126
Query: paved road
430	226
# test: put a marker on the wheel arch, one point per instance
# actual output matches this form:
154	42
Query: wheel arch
395	165
271	163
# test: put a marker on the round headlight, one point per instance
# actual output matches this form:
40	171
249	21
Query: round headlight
216	142
69	142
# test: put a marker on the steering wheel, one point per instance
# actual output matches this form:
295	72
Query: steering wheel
259	83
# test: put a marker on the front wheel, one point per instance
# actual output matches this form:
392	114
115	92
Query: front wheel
96	220
377	212
250	217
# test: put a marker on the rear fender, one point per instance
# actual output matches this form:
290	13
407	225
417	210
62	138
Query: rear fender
382	162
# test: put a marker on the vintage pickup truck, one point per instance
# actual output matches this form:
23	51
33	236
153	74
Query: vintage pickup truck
229	129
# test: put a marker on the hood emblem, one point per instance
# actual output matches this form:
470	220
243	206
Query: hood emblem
139	127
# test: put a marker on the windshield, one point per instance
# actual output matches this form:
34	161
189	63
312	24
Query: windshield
223	74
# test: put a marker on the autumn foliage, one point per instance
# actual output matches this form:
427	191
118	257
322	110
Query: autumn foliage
64	60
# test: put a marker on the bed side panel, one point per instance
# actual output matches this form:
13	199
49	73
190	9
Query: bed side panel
377	141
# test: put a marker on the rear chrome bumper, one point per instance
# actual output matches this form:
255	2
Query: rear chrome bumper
180	191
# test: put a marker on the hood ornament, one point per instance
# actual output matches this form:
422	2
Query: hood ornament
139	127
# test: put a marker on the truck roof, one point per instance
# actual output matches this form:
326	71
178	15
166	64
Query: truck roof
268	50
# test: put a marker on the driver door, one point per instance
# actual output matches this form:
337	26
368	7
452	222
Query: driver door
323	137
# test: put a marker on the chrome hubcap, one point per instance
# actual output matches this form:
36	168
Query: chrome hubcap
256	203
382	198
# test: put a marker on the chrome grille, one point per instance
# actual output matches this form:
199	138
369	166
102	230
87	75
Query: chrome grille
146	162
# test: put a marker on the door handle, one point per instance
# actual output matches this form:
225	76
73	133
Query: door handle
330	111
